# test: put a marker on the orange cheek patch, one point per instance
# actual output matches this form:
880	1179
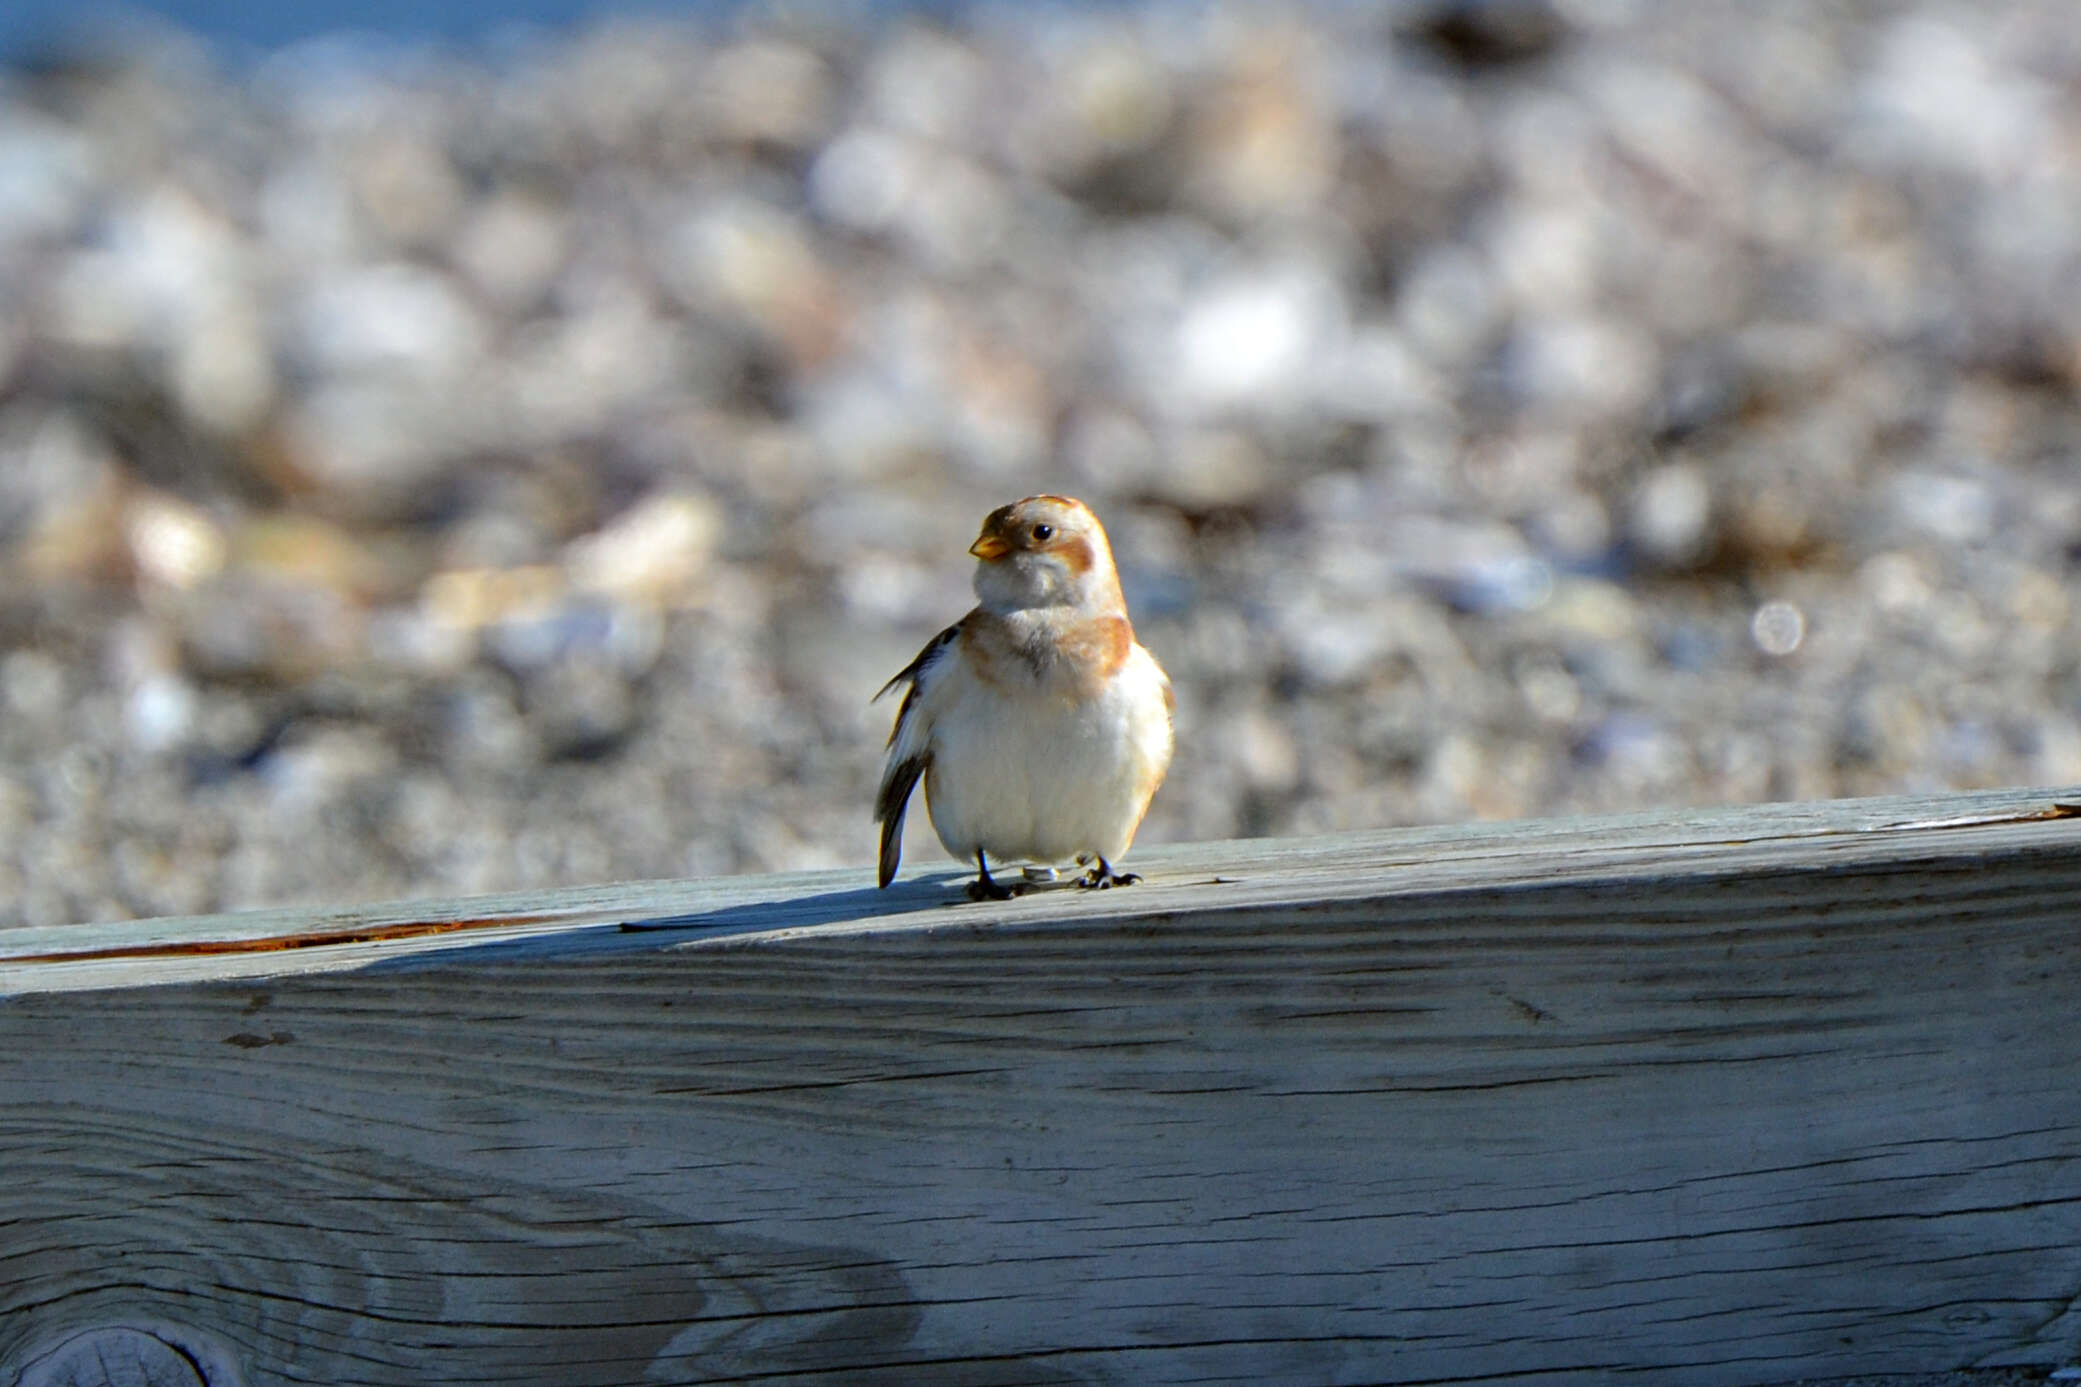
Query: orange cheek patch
1077	556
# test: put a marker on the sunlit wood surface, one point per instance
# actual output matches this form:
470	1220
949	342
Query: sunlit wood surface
1727	1097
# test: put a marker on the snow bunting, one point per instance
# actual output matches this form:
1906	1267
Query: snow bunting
1039	725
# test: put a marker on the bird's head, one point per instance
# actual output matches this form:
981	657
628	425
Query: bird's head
1044	551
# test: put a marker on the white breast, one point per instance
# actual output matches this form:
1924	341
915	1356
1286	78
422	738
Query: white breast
1038	778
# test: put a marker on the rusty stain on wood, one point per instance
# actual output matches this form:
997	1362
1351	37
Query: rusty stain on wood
2025	816
277	943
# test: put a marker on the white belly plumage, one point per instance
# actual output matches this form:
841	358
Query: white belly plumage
1040	779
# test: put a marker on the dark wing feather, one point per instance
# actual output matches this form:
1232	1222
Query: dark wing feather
900	777
912	672
890	806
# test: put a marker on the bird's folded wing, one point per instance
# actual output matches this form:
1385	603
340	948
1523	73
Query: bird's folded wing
909	744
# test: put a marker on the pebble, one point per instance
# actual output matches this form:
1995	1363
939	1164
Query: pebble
1669	520
1778	627
545	452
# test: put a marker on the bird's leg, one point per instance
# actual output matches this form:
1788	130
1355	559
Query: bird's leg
1102	875
988	888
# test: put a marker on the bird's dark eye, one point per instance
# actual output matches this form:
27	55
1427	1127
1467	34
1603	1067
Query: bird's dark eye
1041	533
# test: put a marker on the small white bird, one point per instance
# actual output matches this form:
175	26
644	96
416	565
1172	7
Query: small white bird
1039	725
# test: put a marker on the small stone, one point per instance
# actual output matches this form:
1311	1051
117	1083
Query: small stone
1952	507
33	683
768	90
1550	691
1252	340
1212	469
406	187
310	772
1592	365
1264	146
61	496
1936	93
306	551
46	173
1447	305
223	371
160	712
925	82
171	541
1491	33
1112	101
654	552
1270	759
759	265
1670	521
411	638
580	708
511	247
1896	583
1778	627
375	447
1594	610
472	598
392	317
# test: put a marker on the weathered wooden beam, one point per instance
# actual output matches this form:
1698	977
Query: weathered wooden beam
1729	1098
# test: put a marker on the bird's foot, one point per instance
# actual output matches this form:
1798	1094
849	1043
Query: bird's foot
988	888
1102	876
991	889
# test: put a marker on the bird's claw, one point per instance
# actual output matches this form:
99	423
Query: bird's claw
1099	879
993	890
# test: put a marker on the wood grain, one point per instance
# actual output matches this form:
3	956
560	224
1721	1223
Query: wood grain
1731	1098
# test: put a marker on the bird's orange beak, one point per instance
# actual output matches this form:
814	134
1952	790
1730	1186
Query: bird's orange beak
987	547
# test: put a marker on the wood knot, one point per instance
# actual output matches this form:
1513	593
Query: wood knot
118	1356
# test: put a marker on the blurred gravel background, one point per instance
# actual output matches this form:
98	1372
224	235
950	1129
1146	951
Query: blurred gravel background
431	472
